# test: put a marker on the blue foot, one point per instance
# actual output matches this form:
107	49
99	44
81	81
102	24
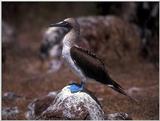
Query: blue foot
76	87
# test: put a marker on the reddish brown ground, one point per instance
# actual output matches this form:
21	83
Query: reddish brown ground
23	74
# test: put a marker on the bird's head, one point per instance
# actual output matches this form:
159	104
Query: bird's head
69	23
73	31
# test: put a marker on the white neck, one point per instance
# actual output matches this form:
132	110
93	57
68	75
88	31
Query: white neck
70	38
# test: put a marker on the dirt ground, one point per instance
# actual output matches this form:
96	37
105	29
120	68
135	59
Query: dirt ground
25	75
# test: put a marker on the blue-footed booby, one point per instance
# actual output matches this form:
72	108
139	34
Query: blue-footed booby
83	62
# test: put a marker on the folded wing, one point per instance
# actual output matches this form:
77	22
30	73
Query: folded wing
90	64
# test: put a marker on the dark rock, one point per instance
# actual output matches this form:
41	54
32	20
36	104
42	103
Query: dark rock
7	32
51	43
10	96
10	112
7	38
118	116
51	47
36	107
134	90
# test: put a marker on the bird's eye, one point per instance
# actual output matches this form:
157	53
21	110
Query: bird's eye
66	23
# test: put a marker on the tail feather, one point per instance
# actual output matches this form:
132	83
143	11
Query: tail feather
115	86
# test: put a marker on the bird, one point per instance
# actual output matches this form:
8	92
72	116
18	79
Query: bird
84	63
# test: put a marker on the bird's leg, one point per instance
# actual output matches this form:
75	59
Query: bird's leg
83	82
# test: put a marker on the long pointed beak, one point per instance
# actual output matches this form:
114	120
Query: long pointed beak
59	24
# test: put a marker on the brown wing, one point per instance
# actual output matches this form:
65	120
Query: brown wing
90	64
94	68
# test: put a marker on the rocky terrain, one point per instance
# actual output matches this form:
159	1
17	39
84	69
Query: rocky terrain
26	77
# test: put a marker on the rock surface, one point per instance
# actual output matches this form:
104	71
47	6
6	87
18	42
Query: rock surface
71	106
10	96
10	112
118	116
36	107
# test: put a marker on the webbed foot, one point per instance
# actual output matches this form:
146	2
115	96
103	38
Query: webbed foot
76	87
